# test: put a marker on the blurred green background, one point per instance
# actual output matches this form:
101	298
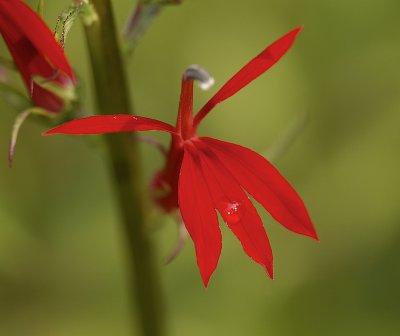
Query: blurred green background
62	260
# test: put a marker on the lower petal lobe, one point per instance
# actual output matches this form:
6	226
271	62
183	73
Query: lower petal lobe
236	208
198	214
261	180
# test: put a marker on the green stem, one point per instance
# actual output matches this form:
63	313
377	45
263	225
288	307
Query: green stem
113	98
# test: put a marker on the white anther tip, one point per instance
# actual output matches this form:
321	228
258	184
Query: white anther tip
207	84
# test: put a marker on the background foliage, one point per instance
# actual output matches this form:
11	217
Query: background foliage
61	261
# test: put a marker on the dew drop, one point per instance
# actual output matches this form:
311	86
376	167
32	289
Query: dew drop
232	212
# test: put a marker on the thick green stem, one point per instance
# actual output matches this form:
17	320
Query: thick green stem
113	98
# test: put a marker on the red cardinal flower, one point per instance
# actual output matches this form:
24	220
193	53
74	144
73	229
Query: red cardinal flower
35	52
203	175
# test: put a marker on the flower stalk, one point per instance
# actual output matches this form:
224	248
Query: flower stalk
113	96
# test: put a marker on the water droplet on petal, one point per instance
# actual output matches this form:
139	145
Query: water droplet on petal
231	212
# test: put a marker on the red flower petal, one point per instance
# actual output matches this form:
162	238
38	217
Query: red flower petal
249	72
199	215
101	124
236	208
261	180
27	23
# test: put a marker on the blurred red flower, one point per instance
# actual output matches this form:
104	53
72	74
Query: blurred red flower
35	52
202	174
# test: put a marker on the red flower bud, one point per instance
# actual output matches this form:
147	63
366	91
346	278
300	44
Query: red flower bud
36	53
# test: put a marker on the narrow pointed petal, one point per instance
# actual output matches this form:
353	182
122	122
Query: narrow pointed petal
101	124
236	209
256	67
27	23
199	215
261	180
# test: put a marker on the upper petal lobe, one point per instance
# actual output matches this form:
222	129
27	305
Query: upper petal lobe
256	67
101	124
